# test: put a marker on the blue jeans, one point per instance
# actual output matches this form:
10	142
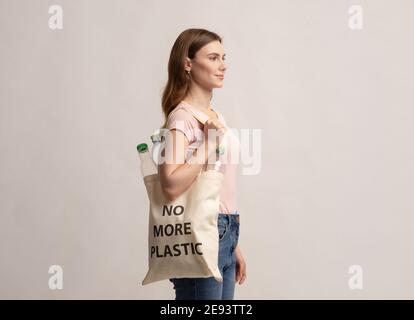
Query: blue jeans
209	288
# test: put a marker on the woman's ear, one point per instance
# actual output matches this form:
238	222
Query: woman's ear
187	64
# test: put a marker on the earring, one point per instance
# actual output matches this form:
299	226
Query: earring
188	74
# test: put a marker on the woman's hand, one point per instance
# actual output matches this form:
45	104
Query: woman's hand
212	141
240	266
215	126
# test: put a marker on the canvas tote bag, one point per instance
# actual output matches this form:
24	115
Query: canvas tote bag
183	240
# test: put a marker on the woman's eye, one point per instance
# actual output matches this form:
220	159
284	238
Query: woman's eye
215	58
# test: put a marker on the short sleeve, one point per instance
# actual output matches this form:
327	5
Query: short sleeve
183	121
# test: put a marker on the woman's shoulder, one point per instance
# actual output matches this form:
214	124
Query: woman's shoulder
182	120
181	113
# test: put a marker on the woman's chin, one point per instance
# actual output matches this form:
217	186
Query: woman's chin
219	84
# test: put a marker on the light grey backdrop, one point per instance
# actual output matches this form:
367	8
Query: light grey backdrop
334	106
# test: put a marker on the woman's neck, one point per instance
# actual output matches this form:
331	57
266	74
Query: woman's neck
199	100
198	105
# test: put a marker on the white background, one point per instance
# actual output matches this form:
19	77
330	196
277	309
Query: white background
334	106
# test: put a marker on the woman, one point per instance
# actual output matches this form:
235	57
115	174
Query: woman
195	67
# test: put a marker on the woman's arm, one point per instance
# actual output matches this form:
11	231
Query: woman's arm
176	175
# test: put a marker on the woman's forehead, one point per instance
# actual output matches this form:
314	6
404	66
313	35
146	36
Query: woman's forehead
213	47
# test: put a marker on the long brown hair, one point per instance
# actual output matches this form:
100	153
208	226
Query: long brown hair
186	45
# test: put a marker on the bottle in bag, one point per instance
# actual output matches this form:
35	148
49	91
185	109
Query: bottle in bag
148	166
157	140
217	165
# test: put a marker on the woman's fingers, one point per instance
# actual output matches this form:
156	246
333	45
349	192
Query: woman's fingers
241	272
213	124
243	276
217	130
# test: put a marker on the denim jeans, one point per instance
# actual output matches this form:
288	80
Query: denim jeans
210	288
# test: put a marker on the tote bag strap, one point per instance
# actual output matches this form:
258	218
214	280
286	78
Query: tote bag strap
199	115
202	117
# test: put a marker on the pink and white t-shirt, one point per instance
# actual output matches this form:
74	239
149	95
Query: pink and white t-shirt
185	122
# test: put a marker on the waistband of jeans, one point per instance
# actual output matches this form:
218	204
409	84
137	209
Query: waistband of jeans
230	216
